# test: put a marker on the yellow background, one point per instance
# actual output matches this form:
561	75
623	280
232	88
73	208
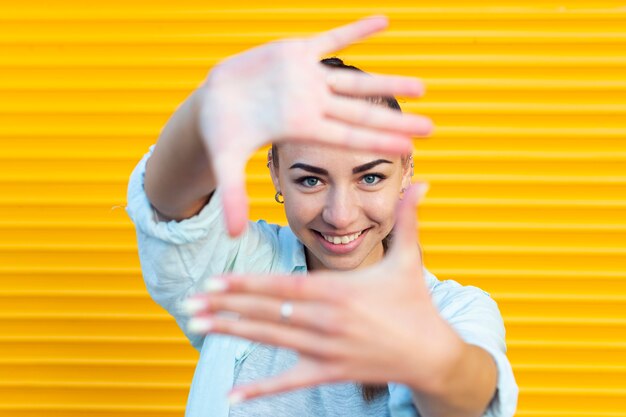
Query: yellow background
527	170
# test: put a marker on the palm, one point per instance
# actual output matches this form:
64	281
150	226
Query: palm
345	325
279	91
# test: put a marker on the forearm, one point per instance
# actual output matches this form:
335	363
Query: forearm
179	177
466	388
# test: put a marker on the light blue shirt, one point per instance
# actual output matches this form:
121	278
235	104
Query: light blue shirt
177	256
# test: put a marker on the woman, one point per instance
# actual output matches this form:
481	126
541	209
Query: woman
418	345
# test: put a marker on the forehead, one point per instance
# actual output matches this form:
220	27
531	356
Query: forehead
327	156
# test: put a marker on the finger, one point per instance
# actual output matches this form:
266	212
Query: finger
319	287
230	175
356	83
405	236
346	135
301	340
338	38
249	307
299	376
196	304
366	114
308	315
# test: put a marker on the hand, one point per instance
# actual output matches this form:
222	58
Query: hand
373	325
279	91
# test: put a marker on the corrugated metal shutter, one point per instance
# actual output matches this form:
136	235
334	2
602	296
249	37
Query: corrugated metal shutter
527	168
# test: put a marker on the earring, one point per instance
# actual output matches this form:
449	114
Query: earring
279	197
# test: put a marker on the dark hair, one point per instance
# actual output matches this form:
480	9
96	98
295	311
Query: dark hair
390	101
368	391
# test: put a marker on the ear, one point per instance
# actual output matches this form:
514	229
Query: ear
273	171
407	173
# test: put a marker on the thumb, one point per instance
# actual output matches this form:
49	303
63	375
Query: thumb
405	236
230	175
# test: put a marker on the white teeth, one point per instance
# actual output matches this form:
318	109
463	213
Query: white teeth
341	240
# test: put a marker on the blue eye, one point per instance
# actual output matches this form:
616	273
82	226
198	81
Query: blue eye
371	179
310	181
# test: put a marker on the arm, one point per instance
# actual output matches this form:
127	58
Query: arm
465	390
179	177
477	373
176	256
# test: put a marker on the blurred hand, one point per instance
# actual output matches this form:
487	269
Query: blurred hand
280	91
372	325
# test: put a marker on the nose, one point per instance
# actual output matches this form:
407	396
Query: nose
341	209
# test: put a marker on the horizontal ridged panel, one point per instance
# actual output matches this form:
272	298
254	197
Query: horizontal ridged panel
527	172
110	371
100	347
438	233
93	410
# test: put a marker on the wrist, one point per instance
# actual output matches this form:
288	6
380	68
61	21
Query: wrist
449	370
444	368
464	386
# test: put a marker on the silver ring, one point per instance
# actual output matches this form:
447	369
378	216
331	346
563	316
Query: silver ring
286	309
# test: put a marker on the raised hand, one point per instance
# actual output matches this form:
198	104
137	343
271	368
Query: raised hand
373	325
279	91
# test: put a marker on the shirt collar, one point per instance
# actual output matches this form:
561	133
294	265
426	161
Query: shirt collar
294	257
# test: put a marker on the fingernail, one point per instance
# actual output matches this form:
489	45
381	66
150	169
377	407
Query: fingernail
235	397
199	325
422	87
416	87
423	188
215	285
427	126
193	305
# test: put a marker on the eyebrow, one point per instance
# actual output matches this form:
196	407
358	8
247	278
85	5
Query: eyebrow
369	165
355	170
310	168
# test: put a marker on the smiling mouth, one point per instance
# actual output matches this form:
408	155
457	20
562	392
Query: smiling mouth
341	240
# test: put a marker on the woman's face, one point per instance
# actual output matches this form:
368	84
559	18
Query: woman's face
339	203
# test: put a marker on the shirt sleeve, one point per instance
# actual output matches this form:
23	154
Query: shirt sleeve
475	316
176	256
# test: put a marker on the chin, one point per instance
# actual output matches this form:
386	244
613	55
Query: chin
341	261
346	264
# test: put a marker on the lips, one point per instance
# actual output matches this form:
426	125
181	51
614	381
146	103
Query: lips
341	240
352	241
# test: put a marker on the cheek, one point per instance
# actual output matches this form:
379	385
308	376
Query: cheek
300	211
381	207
